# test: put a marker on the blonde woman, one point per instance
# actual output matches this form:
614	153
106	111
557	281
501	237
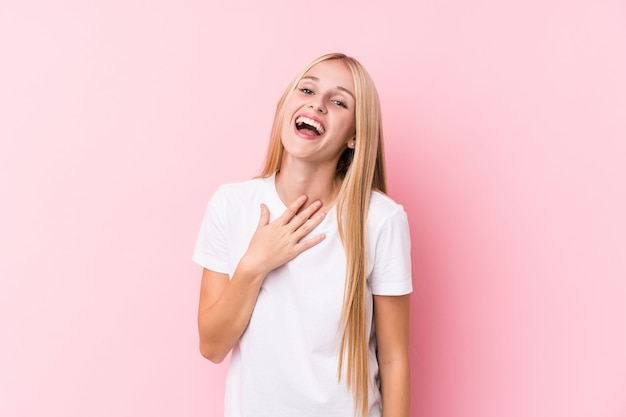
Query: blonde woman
307	268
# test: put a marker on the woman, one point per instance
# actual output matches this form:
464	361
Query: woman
311	296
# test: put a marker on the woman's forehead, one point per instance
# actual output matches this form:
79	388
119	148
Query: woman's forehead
332	71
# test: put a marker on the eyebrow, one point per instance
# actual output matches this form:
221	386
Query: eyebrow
309	77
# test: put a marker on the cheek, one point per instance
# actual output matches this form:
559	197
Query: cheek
286	122
350	126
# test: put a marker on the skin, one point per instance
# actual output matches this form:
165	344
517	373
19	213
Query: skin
391	315
306	181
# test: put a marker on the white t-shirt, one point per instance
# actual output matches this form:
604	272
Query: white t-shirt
285	364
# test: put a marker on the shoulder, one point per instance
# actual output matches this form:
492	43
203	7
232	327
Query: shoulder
242	190
382	208
246	185
385	216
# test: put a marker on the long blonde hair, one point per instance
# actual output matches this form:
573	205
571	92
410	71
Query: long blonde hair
361	170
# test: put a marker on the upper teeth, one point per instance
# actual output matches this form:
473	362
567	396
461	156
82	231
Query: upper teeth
302	120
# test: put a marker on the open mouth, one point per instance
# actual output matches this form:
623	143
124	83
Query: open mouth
310	125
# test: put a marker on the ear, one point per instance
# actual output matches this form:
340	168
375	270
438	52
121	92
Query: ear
352	142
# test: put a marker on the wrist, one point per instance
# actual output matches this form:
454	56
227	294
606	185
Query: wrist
251	271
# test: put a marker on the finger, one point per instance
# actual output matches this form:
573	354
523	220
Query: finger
292	209
308	225
309	243
264	218
306	214
312	208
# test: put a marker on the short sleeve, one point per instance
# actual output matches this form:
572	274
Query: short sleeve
211	250
391	273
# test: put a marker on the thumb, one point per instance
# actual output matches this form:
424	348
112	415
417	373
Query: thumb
265	216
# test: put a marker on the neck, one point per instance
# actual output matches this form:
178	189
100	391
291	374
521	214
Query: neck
316	182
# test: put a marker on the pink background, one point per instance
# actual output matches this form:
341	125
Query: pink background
506	136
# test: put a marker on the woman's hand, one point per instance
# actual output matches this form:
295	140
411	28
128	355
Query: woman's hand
273	244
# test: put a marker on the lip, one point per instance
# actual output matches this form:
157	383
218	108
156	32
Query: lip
304	133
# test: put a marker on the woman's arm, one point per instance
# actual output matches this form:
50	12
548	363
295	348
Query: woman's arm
224	311
391	316
226	305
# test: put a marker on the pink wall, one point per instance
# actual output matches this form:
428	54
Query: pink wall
505	124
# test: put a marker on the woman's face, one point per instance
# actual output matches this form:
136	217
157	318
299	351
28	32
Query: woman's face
319	121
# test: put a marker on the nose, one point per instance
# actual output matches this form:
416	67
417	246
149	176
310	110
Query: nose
318	105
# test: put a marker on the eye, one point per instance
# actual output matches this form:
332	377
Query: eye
340	104
306	91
